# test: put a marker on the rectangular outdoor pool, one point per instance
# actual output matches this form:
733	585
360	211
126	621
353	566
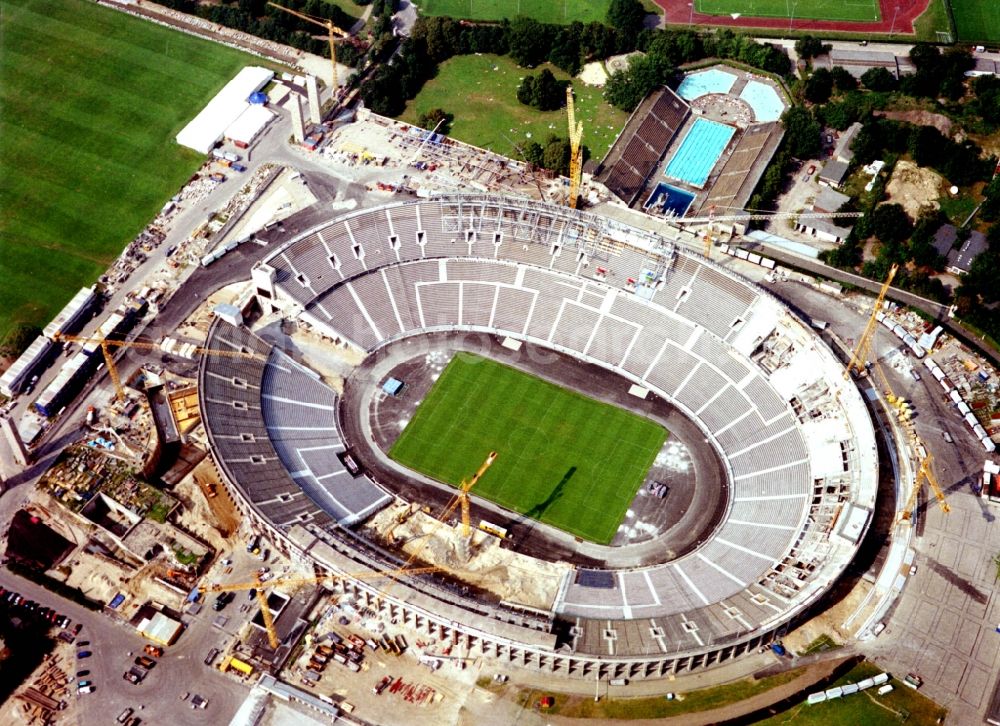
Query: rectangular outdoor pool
699	150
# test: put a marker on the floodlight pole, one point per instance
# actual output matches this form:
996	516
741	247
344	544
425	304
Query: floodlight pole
892	29
691	14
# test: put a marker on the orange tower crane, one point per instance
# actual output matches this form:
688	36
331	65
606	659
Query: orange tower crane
265	610
575	150
106	344
333	32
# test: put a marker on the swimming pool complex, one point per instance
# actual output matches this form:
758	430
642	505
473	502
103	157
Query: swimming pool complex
700	84
700	149
669	200
764	100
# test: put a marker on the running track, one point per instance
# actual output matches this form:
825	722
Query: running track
677	12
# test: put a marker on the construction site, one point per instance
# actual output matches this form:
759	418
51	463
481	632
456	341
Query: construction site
207	433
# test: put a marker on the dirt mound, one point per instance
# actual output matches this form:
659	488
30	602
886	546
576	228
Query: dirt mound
920	118
915	188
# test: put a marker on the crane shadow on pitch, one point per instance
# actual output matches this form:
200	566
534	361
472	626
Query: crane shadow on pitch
534	515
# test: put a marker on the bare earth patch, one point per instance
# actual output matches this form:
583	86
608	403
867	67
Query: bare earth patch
593	74
914	188
920	118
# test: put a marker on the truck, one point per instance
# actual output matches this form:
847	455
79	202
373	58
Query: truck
217	177
230	156
238	167
253	546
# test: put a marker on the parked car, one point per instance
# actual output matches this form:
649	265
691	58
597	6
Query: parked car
82	674
84	684
83	654
145	661
77	628
153	650
86	689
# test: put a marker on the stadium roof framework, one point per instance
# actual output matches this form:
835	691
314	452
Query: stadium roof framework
795	437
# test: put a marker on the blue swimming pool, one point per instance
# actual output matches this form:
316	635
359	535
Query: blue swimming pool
669	200
764	100
696	85
699	150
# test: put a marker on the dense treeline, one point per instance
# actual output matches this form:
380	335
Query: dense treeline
258	18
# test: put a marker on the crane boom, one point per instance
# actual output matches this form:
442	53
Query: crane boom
857	355
464	492
766	216
575	151
265	614
107	343
332	32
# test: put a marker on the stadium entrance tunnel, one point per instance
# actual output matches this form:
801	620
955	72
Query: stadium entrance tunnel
682	499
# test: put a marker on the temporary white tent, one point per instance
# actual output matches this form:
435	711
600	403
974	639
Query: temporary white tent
207	128
250	123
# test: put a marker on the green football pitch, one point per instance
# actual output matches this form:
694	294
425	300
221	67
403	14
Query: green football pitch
977	19
90	102
803	9
564	459
546	11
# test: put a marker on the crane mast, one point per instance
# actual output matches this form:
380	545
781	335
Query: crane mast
575	150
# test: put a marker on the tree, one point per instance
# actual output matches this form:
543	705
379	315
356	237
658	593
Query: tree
809	47
801	132
626	89
529	42
819	86
843	79
987	101
891	224
627	16
878	80
543	91
432	118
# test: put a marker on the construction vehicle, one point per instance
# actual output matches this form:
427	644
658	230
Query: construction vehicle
865	354
575	150
333	32
107	343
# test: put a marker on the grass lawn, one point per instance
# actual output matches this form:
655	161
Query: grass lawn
90	102
481	92
564	459
932	21
903	705
626	709
977	19
814	9
348	6
546	11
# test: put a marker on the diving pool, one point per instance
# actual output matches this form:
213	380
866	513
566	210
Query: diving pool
699	150
669	200
696	85
764	100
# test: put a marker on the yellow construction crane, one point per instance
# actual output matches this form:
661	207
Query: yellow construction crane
258	587
463	492
332	33
107	343
924	472
575	150
865	351
857	361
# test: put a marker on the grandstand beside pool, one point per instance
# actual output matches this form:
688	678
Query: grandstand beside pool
699	151
696	85
669	200
764	100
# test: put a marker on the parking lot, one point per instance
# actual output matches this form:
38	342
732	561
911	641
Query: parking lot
113	647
